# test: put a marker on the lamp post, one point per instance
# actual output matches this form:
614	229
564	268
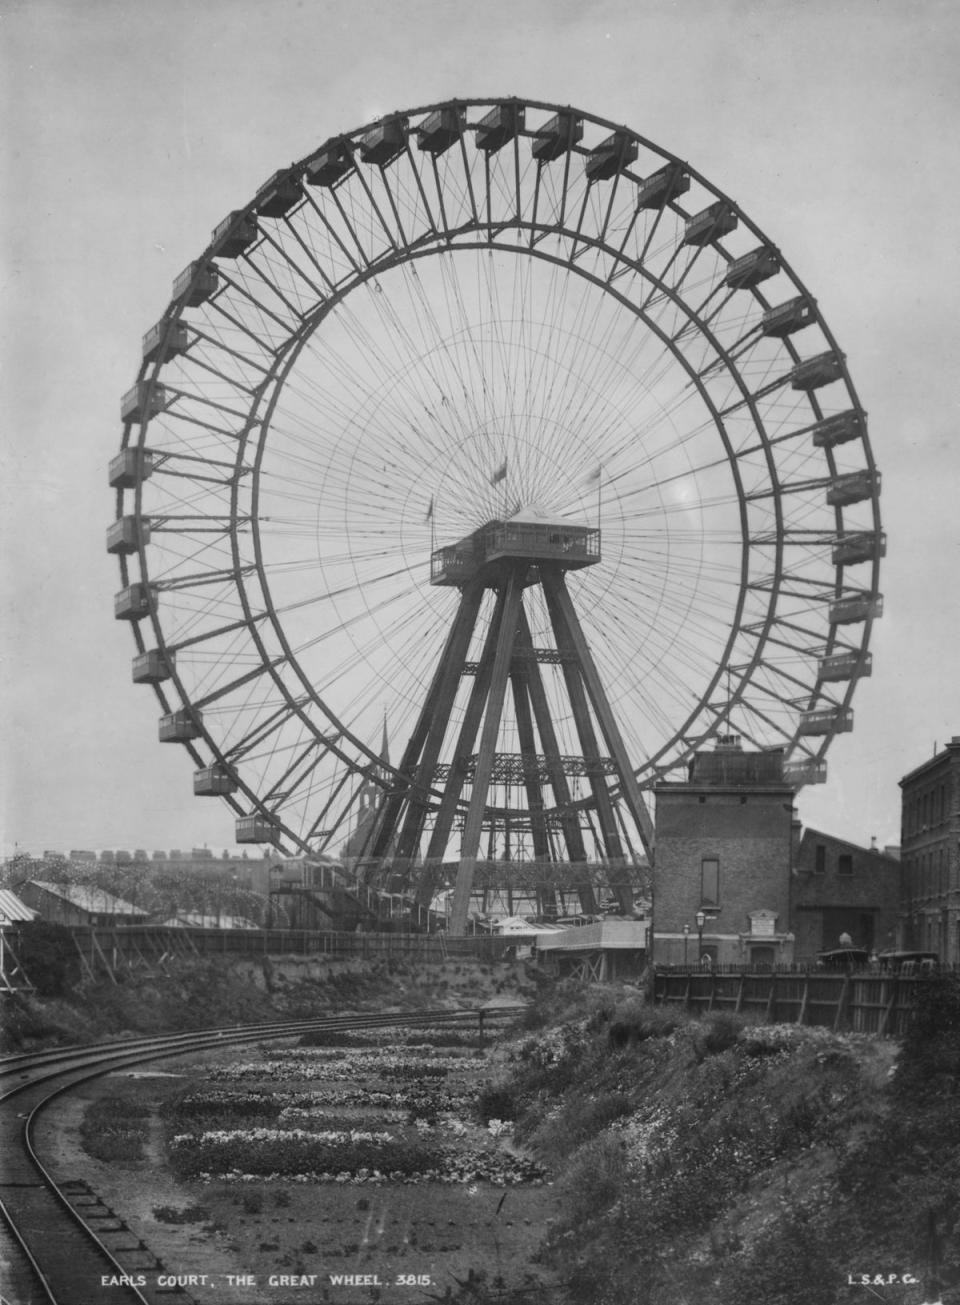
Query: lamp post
686	939
701	921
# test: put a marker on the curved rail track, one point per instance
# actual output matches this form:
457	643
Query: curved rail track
58	1241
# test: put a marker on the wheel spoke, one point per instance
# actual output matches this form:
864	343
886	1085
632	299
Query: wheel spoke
427	336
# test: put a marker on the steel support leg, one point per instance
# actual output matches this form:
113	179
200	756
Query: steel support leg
573	677
443	824
423	748
570	820
603	711
473	827
418	803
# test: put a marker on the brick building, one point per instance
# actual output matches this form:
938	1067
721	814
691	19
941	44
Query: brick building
930	855
840	888
724	848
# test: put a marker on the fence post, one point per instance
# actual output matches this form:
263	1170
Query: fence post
804	1001
889	1008
771	1011
842	1004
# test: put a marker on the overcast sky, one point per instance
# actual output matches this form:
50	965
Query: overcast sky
131	128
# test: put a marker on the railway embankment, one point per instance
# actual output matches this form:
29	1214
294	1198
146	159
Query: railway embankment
712	1159
213	991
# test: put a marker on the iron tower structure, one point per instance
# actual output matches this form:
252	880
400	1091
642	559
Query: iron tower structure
510	557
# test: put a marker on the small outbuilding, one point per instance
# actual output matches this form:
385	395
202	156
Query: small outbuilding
13	914
600	952
842	894
78	904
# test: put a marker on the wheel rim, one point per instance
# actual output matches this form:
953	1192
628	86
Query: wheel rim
494	309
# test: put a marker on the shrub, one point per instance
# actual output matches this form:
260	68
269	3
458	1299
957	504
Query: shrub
791	1265
114	1128
327	1038
49	957
114	1144
636	1021
190	1214
930	1057
496	1101
594	1180
582	1116
718	1033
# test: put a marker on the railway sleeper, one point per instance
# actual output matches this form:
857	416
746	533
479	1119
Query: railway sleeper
95	1212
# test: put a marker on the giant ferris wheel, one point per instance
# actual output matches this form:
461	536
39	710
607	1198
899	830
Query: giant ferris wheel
492	459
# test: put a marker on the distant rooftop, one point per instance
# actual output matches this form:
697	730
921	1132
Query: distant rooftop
197	920
12	910
940	756
95	900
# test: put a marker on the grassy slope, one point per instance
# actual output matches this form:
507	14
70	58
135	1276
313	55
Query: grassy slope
707	1160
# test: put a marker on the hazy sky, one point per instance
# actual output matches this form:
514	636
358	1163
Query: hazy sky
131	128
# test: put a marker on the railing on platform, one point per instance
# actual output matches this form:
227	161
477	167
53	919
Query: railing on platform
854	1001
106	949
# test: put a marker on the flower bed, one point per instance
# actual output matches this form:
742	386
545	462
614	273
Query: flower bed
286	1152
412	1038
356	1155
321	1115
229	1105
316	1065
418	1040
338	1134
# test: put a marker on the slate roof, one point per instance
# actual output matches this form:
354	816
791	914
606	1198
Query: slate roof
12	910
87	898
197	920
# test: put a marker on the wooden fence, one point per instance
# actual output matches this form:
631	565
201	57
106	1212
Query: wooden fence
880	1004
106	951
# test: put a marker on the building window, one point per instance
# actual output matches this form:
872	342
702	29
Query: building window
844	864
710	881
820	859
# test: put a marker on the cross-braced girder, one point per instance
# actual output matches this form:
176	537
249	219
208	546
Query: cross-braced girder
445	797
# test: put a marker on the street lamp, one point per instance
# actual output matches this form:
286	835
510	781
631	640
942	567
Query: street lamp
701	921
686	939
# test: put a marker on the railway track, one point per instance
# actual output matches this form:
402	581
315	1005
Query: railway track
59	1242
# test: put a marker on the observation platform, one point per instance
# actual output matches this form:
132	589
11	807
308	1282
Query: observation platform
488	552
